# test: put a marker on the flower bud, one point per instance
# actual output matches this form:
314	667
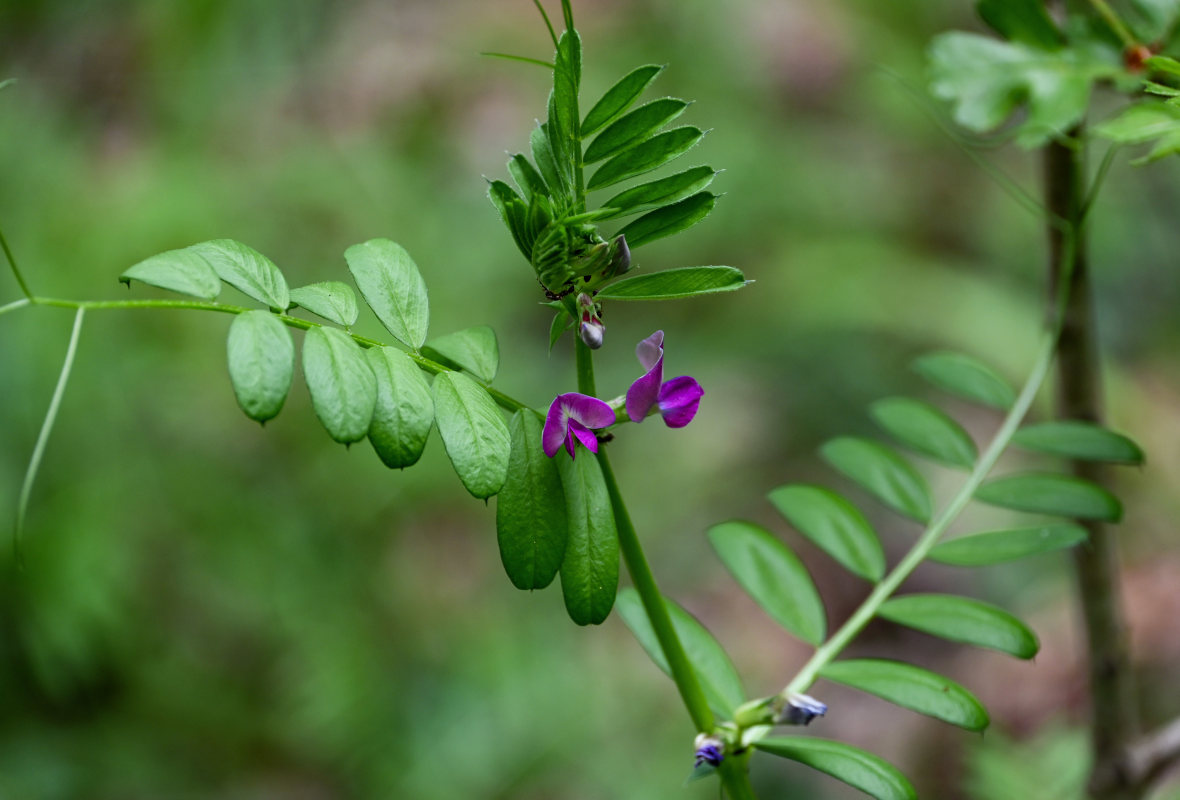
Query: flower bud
709	750
800	710
591	330
620	261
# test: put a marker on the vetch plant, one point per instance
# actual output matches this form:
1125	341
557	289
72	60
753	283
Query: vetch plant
560	511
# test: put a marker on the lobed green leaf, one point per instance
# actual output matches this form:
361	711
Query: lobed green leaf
773	576
261	360
342	386
660	193
862	770
926	430
715	672
246	270
634	127
669	220
967	378
672	284
881	472
473	349
590	564
1049	493
651	154
911	687
531	517
1079	440
185	271
834	525
404	412
473	432
997	547
619	98
961	619
332	300
392	286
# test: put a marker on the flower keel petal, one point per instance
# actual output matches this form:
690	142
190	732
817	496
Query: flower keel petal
679	400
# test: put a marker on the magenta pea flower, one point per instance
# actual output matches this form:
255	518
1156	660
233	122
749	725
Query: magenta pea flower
676	399
573	417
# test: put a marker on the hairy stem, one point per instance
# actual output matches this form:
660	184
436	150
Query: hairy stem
1113	724
26	489
427	365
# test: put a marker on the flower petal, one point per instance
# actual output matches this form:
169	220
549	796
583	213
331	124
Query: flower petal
589	411
554	433
679	399
650	350
585	436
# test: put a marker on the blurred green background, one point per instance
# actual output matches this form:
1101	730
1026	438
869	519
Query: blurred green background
215	610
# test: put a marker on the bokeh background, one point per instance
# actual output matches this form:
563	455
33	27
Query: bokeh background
211	609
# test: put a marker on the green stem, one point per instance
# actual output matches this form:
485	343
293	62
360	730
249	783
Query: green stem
20	279
14	305
733	770
427	365
26	489
868	609
1112	19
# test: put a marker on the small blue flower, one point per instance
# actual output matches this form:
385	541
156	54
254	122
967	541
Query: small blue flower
800	710
710	750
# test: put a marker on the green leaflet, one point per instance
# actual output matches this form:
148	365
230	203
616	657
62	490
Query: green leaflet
881	472
392	286
1142	123
659	193
967	378
526	177
563	116
332	300
634	127
473	431
1080	440
669	220
911	687
404	411
590	566
619	98
473	349
872	775
342	386
546	162
261	360
531	518
1049	493
987	79
997	547
1024	21
961	619
185	271
246	270
652	154
926	430
515	215
773	576
561	323
672	284
715	672
834	525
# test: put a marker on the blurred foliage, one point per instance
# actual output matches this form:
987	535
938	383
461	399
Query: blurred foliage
212	609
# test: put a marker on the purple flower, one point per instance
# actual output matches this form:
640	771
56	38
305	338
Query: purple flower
801	709
572	417
677	399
